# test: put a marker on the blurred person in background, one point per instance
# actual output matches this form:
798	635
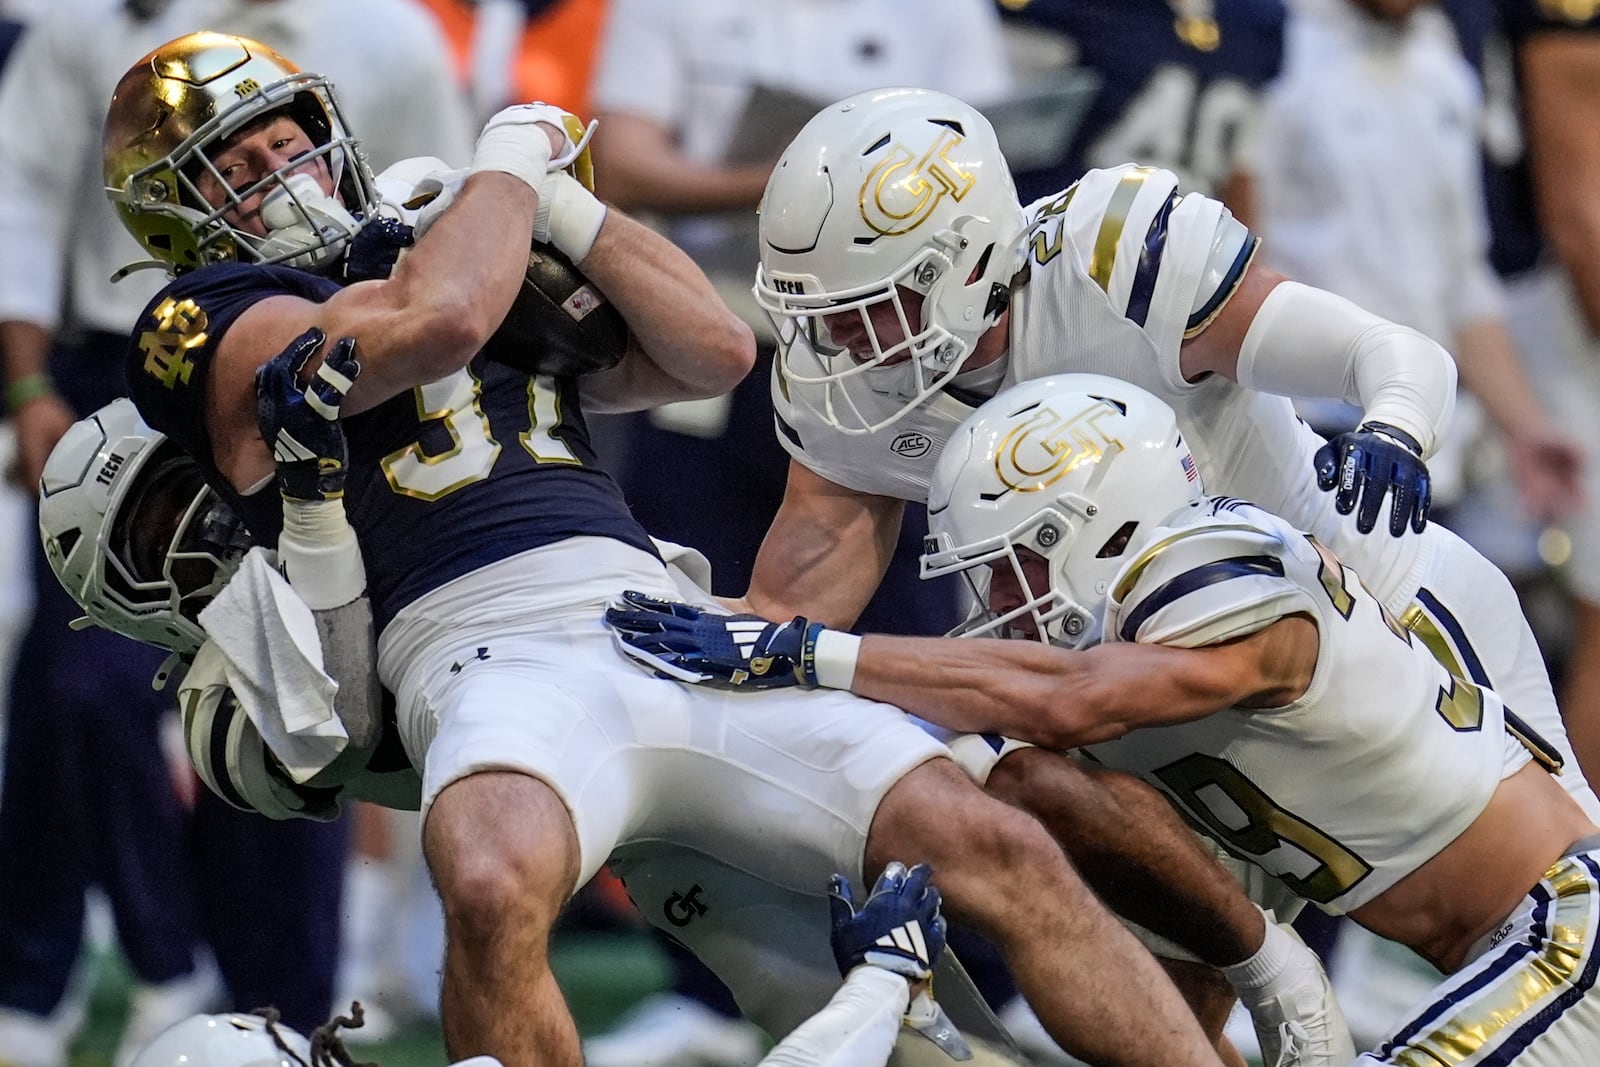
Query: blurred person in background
1367	184
511	50
696	100
16	561
1180	87
1540	67
264	896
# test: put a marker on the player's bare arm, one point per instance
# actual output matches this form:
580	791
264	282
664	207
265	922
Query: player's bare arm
1058	698
825	553
1215	349
445	298
684	342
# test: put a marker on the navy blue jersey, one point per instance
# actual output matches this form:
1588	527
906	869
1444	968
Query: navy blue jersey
443	479
1176	92
1492	33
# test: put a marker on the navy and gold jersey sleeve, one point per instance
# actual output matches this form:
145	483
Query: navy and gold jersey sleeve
171	349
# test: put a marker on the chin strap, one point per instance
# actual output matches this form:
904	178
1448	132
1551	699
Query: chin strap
144	264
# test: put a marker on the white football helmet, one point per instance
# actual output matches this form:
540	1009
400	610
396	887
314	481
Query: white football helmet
884	191
232	1040
175	108
132	530
1075	468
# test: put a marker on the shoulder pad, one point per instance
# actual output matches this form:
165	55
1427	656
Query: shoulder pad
1166	261
1204	583
1112	216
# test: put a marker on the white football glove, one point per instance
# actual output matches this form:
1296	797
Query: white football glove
514	142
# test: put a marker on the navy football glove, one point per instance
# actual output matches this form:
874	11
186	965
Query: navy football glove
376	248
1374	460
691	644
301	423
899	928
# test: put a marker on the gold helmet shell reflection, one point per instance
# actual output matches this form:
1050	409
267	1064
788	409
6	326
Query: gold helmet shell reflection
186	97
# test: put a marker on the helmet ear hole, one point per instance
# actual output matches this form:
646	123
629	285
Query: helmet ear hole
1117	543
68	540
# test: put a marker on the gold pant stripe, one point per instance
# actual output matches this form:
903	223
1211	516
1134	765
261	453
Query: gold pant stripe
1515	987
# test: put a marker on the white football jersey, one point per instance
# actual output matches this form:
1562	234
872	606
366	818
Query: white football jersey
1119	267
1310	792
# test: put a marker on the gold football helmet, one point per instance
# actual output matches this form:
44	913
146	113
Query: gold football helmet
175	108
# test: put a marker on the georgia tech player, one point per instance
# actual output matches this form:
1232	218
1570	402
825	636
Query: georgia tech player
1237	665
908	285
492	540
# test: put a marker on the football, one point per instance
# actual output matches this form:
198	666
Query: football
560	324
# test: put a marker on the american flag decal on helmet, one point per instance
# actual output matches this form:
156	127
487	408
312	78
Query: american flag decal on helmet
1190	472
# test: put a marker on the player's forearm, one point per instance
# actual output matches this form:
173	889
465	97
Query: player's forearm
26	347
857	1028
686	343
811	581
825	553
1049	696
1019	689
1307	342
451	291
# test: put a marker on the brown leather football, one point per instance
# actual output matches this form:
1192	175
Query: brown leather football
560	324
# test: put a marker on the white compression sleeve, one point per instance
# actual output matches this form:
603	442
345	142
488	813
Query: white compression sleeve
1307	342
857	1028
319	554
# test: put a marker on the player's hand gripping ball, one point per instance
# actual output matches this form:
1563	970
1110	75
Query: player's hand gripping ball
560	324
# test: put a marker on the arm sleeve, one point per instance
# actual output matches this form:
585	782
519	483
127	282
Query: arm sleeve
323	563
1307	342
857	1028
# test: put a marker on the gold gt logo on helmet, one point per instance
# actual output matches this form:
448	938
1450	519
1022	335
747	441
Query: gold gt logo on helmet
899	195
1046	447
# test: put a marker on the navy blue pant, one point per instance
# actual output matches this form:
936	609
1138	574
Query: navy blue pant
88	799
